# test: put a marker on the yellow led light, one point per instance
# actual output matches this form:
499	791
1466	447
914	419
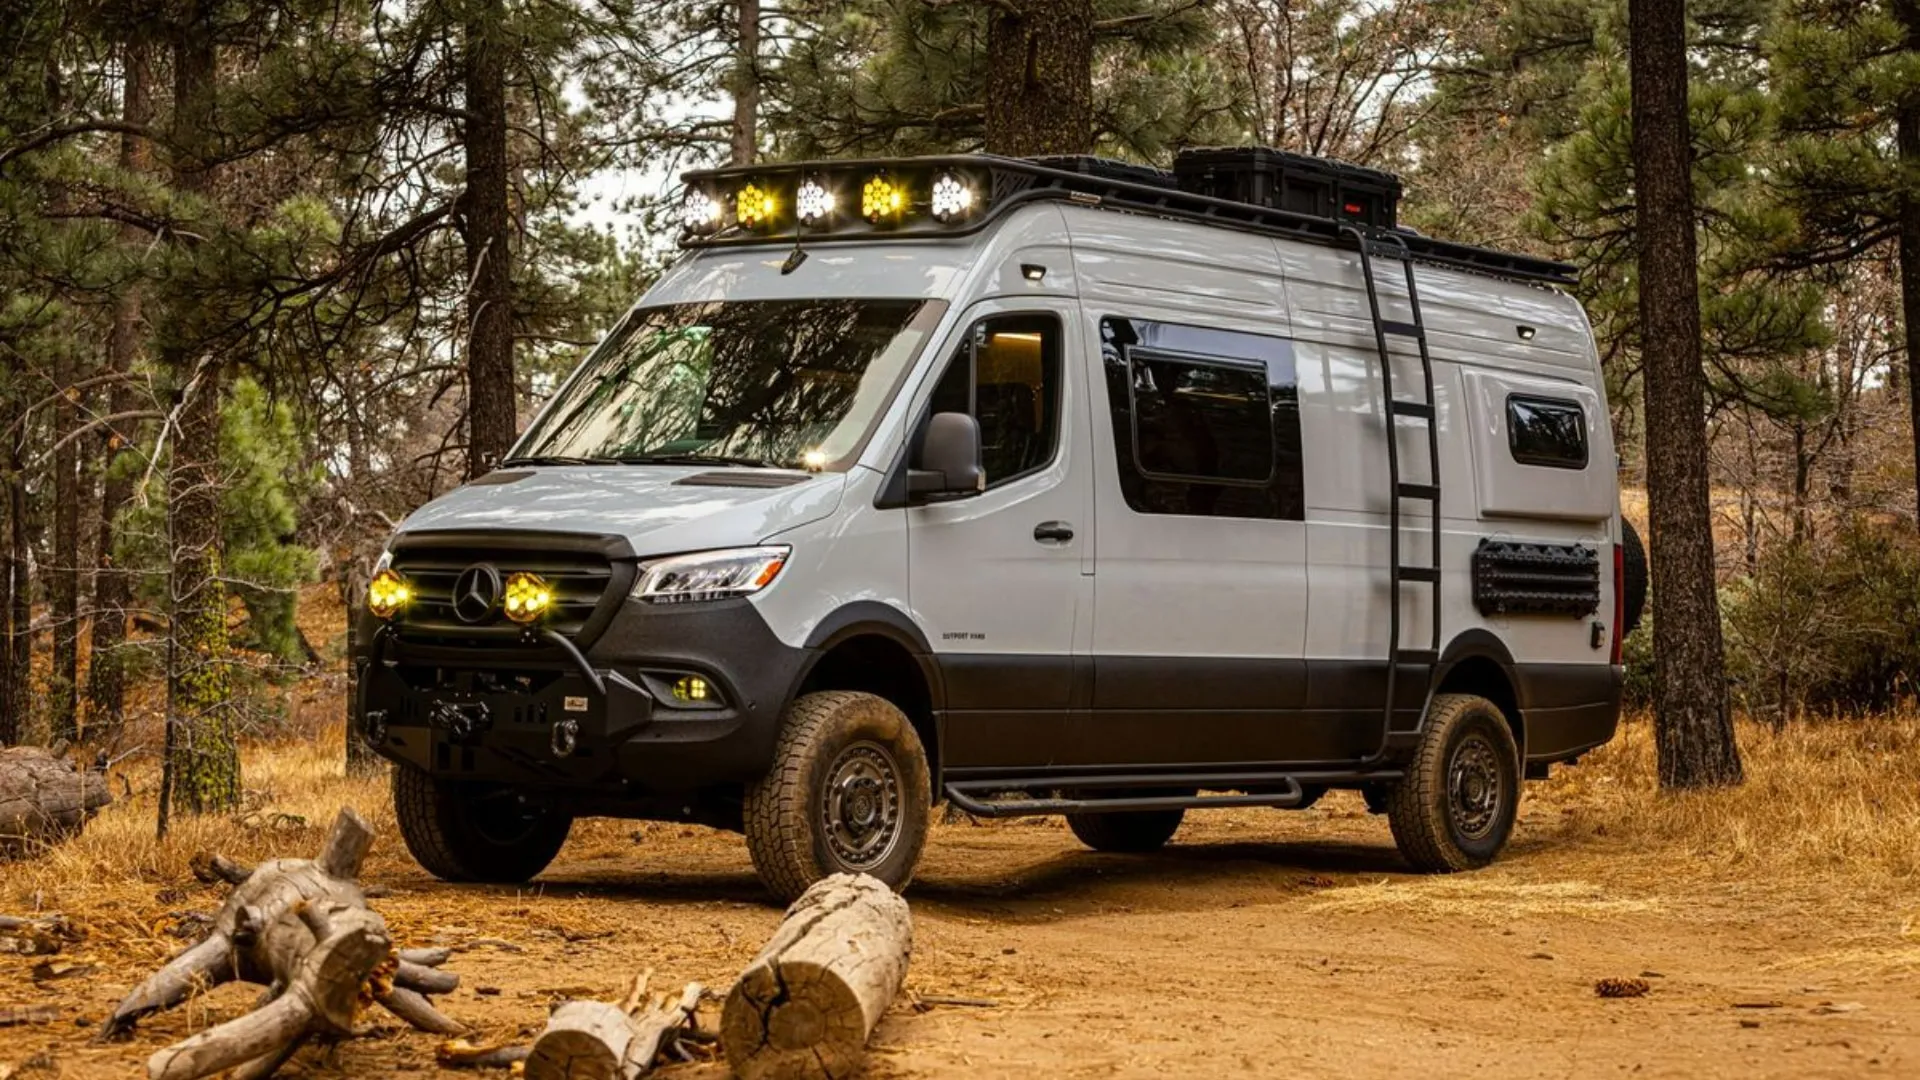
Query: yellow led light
755	206
691	688
882	200
526	597
387	594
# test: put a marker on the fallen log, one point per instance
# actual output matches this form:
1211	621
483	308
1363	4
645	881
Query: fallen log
807	1004
302	929
44	798
593	1040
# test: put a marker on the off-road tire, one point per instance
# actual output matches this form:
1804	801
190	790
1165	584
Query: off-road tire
439	824
1126	830
786	810
1467	732
1633	577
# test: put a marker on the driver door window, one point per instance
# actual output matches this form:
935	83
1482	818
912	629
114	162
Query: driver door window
1006	375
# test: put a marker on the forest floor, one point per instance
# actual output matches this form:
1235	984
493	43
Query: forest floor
1778	927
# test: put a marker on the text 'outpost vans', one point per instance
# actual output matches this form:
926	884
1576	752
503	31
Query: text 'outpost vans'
1043	487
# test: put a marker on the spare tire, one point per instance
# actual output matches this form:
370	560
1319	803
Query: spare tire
1633	571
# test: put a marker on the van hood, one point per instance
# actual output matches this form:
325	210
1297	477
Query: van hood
658	509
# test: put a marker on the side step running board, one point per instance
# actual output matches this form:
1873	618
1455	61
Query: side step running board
976	797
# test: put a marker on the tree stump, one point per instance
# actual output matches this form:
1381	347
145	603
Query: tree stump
44	798
807	1004
301	928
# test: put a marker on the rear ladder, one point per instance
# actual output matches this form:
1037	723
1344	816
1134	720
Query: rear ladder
1424	411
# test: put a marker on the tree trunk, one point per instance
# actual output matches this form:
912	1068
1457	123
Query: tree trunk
807	1004
487	228
16	709
202	759
63	575
1693	728
106	678
592	1040
746	85
1908	140
1039	93
44	798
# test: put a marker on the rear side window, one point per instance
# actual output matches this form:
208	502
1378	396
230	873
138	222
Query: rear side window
1205	422
1547	431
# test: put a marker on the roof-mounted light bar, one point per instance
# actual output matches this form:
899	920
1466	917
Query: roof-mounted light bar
934	197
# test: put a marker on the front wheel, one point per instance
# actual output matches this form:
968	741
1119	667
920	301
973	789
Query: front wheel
1455	807
849	792
475	832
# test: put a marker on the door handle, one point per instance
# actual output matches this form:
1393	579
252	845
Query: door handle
1053	532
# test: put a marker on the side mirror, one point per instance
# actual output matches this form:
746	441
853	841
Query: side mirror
948	464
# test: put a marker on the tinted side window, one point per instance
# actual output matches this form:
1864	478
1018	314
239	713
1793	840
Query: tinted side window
1007	375
1205	422
1547	431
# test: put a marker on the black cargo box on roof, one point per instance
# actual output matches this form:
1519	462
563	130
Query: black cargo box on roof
1320	187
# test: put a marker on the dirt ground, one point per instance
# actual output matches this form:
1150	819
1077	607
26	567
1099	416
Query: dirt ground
1260	943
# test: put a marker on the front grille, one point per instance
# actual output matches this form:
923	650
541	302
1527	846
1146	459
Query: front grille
580	580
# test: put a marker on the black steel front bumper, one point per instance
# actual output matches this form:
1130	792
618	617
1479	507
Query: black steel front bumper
536	712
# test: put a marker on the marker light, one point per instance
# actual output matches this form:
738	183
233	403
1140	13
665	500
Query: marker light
710	575
755	206
691	688
952	199
388	594
526	597
813	460
813	202
882	200
700	212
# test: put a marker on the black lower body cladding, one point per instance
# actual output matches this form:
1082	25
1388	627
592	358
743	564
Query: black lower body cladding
523	714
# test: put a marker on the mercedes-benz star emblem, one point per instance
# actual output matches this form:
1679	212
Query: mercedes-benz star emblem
475	592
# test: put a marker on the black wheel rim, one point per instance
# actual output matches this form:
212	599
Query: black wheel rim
1475	787
504	818
860	806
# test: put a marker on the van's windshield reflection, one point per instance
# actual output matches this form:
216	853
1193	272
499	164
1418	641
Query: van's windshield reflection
787	383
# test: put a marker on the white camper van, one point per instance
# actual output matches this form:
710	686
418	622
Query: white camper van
1039	487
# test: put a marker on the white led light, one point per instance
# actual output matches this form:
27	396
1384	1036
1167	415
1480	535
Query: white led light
700	212
813	202
952	198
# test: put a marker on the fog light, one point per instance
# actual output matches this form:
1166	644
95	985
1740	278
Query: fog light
755	207
526	597
388	594
882	200
692	689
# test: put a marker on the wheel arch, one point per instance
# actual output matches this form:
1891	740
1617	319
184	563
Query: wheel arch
876	648
1477	662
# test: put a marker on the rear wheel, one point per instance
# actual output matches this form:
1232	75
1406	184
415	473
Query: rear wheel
849	792
1126	830
475	832
1455	807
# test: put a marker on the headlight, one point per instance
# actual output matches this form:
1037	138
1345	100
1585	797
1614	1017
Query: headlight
710	575
526	597
388	593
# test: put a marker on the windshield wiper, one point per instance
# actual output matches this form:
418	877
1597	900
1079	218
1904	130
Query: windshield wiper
699	459
554	460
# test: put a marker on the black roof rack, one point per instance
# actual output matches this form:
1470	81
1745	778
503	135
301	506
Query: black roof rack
1011	182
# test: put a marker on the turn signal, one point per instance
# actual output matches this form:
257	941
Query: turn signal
387	594
526	597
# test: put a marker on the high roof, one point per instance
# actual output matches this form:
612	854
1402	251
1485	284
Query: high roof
901	190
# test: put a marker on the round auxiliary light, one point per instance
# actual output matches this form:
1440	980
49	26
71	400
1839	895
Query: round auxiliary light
883	200
755	206
701	212
953	199
388	594
813	203
526	597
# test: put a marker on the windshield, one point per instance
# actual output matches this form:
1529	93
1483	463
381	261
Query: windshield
795	383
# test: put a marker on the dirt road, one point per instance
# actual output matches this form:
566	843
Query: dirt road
1262	943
